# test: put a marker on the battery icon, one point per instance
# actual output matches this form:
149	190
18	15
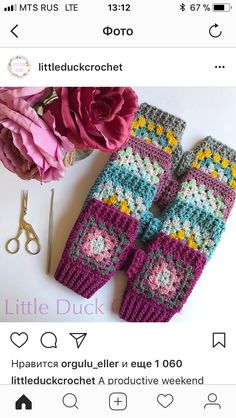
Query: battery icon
221	7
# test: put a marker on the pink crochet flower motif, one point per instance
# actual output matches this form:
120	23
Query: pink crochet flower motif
165	279
100	245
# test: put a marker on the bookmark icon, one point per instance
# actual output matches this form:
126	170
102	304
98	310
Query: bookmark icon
79	337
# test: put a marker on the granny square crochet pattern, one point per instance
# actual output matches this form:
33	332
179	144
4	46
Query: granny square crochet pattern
194	226
209	191
98	245
198	205
128	185
148	159
206	192
144	160
160	280
213	158
160	129
124	190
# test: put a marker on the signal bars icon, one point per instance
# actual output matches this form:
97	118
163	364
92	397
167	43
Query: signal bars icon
11	8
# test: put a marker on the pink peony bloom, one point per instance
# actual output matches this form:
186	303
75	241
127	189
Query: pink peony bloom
94	117
32	95
28	146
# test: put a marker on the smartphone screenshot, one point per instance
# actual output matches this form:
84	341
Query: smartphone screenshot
117	214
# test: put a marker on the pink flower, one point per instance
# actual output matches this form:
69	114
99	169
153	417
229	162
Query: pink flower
32	95
94	118
28	146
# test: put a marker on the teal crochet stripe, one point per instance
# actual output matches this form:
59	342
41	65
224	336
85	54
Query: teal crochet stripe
124	190
195	226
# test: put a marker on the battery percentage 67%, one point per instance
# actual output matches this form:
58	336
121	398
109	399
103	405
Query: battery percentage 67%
195	7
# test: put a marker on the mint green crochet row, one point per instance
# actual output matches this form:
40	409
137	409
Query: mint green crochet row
197	194
124	190
142	167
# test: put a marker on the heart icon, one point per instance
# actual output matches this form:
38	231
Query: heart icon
19	339
165	400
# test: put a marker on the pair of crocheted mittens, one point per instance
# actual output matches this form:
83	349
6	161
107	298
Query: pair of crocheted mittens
195	204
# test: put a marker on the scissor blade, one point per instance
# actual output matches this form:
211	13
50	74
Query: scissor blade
24	202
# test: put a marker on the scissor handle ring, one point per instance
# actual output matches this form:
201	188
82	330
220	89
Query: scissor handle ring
7	245
29	250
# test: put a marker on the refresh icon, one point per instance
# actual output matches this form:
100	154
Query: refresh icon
213	32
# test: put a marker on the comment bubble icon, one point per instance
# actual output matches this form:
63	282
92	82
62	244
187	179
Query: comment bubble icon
49	340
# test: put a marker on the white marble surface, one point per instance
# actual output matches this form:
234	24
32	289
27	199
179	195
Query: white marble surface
208	111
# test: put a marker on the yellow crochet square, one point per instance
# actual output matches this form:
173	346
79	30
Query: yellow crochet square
232	183
160	130
207	152
225	163
151	126
168	150
195	164
135	124
214	174
200	155
142	121
233	170
216	158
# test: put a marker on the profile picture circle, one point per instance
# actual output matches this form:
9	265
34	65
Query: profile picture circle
19	66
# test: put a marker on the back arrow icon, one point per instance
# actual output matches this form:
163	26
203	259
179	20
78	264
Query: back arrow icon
211	31
12	31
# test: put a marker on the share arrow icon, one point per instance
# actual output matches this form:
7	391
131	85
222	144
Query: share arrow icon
79	337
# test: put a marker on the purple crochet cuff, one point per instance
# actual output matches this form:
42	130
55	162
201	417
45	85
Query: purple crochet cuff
99	244
137	308
160	280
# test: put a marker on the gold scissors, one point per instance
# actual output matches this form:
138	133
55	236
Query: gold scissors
31	235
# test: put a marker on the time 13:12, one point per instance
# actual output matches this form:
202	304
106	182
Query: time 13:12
119	7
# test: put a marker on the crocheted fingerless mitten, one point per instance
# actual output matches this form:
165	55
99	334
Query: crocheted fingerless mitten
129	183
205	198
98	245
195	219
207	179
160	280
